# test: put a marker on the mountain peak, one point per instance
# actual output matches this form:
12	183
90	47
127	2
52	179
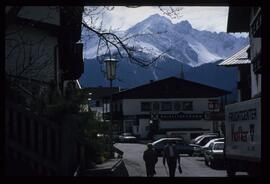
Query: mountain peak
158	18
185	23
183	26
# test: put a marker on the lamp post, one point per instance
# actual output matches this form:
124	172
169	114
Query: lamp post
111	74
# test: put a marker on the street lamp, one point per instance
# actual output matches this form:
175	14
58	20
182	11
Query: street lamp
110	69
111	75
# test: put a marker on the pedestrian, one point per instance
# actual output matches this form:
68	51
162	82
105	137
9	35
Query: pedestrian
150	158
170	154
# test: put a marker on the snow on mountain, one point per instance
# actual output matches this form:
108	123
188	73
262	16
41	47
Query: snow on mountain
180	41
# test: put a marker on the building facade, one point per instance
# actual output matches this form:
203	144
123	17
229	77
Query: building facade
43	56
169	107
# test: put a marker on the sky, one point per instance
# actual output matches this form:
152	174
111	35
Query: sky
212	19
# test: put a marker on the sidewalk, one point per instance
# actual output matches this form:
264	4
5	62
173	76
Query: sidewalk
112	167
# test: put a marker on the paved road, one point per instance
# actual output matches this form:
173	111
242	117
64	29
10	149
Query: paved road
191	166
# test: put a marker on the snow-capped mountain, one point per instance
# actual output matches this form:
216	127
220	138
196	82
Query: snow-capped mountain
179	42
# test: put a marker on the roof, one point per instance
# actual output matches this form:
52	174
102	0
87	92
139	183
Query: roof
239	58
171	87
238	19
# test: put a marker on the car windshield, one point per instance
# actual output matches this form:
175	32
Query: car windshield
218	146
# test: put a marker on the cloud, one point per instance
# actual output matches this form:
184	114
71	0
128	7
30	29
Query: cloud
212	18
202	18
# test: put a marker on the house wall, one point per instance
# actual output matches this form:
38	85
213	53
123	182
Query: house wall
48	14
255	47
133	106
187	124
30	53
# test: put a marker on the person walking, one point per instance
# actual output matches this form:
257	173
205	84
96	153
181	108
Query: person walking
150	158
171	155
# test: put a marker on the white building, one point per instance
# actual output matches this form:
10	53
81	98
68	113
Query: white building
169	106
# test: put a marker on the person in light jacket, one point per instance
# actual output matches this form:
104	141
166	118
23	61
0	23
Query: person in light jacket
150	157
170	154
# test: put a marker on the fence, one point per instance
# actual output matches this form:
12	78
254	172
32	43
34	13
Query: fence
37	146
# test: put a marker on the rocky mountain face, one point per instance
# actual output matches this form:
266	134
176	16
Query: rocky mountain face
183	46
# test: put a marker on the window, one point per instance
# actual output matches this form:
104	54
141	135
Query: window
213	104
187	106
177	106
166	106
145	106
156	106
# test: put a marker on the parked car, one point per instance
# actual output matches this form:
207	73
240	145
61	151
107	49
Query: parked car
214	154
181	146
196	139
127	137
204	140
199	151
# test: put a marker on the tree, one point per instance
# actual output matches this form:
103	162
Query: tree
110	41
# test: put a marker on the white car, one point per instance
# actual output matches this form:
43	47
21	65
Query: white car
193	141
213	155
199	151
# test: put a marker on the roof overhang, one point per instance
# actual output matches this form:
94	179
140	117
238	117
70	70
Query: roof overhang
239	58
238	19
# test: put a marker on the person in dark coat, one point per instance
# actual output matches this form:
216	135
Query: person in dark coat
170	154
150	157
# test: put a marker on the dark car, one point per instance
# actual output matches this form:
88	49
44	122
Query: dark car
181	146
214	154
127	137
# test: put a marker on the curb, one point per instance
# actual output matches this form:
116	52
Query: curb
118	169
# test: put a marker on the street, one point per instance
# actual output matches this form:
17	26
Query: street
191	166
